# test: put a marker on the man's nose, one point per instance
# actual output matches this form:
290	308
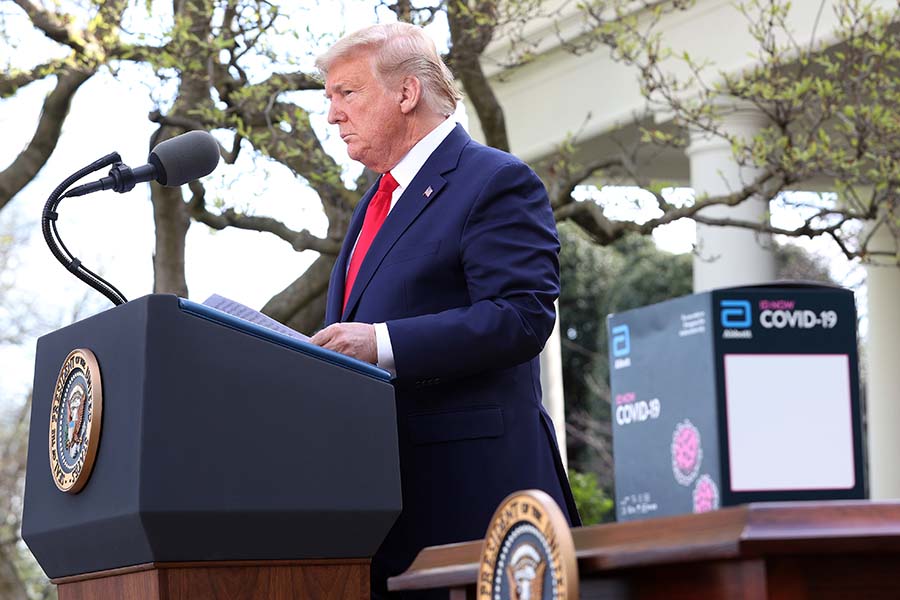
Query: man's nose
335	115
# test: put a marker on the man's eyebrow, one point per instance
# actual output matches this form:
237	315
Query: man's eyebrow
337	87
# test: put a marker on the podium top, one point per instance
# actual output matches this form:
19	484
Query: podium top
329	356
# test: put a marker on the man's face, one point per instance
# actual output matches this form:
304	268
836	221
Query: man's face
367	114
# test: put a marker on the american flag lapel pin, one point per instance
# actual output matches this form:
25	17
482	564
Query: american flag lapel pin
427	193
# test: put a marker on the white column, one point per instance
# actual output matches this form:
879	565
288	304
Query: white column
552	387
729	256
883	371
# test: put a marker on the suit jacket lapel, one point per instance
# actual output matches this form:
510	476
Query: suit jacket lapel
339	272
413	201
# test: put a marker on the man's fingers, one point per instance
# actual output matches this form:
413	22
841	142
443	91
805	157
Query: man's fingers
353	339
323	337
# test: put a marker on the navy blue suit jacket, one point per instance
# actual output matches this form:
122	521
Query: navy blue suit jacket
465	277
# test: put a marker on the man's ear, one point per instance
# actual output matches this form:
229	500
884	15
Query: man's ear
410	94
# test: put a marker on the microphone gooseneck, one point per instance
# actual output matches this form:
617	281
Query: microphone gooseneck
172	163
55	243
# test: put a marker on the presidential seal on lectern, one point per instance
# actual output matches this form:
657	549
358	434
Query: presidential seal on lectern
75	418
528	551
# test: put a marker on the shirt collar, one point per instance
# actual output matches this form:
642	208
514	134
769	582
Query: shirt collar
409	165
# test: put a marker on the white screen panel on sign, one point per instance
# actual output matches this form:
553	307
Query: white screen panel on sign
789	422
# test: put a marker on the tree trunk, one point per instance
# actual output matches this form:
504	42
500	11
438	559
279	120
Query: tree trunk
301	305
172	222
170	213
471	29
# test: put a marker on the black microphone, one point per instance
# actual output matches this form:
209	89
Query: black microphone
172	163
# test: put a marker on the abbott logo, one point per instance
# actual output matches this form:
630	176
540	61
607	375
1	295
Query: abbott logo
736	319
621	346
735	314
621	341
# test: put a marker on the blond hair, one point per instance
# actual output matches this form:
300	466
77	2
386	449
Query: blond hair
400	50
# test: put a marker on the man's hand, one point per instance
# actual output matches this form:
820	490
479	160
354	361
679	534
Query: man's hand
353	339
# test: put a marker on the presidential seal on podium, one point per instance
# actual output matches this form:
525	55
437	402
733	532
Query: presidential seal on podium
528	551
75	418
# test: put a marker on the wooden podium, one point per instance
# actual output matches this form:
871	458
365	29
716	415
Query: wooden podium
273	580
812	550
233	462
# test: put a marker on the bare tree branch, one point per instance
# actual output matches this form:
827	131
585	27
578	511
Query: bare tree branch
417	15
89	44
179	121
591	218
299	240
11	82
32	159
561	183
135	52
289	82
58	27
282	131
301	305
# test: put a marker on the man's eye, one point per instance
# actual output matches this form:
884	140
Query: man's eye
346	93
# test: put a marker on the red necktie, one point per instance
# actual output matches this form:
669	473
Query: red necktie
376	213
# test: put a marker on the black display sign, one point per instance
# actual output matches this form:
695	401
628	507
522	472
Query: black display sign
735	395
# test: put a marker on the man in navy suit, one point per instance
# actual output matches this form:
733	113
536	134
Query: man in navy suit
447	278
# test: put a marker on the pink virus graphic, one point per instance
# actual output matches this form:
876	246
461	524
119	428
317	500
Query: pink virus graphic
687	452
706	495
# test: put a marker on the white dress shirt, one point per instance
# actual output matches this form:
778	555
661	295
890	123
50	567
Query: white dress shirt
404	172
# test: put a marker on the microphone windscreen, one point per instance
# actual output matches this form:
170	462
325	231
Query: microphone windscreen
185	157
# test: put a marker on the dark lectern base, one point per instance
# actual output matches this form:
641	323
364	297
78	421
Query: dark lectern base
232	580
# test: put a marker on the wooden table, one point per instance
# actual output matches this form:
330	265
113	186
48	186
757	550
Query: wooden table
797	550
